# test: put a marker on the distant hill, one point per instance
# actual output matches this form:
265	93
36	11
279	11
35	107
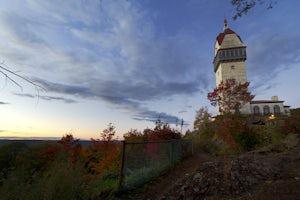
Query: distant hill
35	141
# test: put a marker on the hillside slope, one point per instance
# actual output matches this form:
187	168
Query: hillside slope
269	173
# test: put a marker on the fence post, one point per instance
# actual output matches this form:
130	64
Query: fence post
172	143
121	176
192	144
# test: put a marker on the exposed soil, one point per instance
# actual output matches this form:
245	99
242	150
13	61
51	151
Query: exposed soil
269	173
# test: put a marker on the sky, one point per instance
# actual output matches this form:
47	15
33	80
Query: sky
130	62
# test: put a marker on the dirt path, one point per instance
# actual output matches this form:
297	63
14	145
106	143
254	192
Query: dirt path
175	176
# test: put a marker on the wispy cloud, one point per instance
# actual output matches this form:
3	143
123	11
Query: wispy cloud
46	97
3	103
108	50
119	100
269	54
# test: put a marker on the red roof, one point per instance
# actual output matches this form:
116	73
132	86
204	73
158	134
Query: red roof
222	35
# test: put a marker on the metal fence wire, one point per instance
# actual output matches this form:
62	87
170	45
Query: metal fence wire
143	161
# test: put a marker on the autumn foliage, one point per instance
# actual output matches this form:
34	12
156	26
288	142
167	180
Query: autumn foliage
65	169
103	155
162	131
230	95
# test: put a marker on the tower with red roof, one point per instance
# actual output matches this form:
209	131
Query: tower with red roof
230	56
230	59
230	63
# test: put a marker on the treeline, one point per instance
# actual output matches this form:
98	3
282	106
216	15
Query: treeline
162	131
68	170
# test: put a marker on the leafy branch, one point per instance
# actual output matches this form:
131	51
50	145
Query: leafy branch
243	6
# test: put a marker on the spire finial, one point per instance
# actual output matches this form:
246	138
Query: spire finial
225	24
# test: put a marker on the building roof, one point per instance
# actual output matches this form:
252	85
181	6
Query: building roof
227	30
222	35
265	101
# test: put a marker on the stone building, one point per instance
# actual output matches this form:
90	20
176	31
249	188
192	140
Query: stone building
230	63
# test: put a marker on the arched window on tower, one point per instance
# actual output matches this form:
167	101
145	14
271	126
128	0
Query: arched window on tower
276	110
256	110
266	110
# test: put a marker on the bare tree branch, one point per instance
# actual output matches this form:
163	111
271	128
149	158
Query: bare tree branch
11	75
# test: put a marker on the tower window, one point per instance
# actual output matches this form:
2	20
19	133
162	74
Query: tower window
240	52
232	67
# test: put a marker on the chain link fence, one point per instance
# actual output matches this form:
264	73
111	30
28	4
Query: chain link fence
143	161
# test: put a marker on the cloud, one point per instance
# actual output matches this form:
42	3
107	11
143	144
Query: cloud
118	46
108	50
269	54
3	103
182	111
153	116
47	98
124	101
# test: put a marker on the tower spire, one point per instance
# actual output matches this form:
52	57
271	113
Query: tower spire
225	24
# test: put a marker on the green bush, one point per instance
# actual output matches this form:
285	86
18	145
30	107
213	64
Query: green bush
143	175
247	139
102	188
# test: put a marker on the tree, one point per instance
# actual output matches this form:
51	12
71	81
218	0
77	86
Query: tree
71	146
134	136
243	6
230	95
203	118
103	155
108	133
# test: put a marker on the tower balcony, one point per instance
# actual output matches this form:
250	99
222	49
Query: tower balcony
229	55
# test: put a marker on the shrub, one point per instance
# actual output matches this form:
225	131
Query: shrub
290	125
247	139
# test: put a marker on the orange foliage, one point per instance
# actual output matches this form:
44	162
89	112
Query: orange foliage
103	155
227	126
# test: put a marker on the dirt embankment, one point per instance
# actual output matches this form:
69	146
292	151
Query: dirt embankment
269	173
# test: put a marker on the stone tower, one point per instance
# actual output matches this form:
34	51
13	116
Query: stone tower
230	57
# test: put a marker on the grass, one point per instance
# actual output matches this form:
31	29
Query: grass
143	175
